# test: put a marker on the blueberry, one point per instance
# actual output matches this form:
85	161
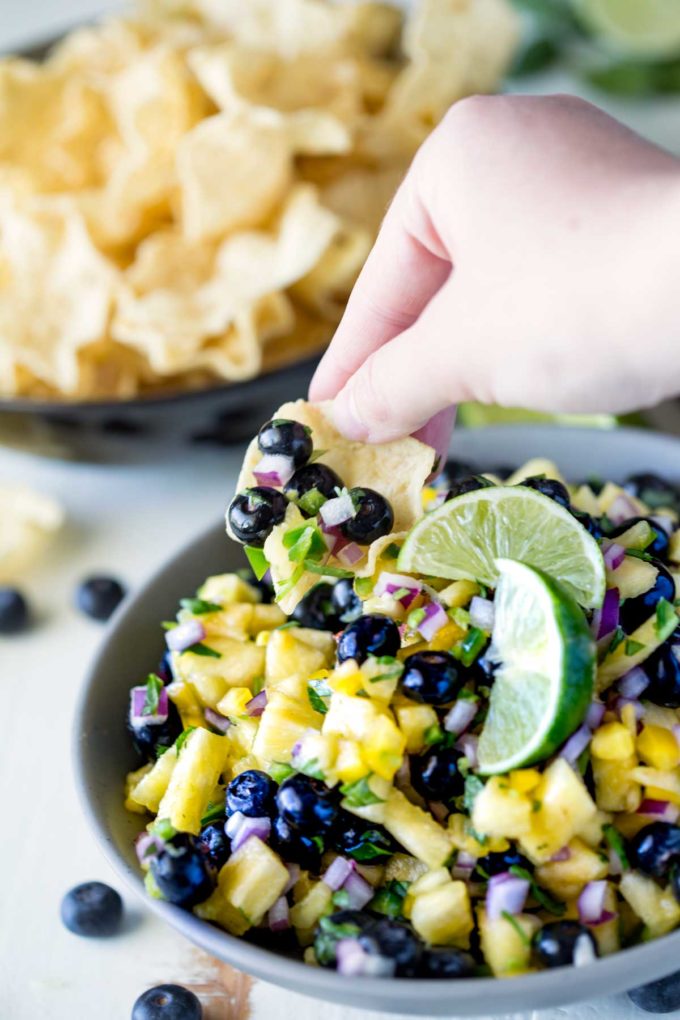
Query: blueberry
213	841
254	513
372	634
662	996
435	774
363	841
635	611
555	943
331	929
252	793
373	517
264	586
395	941
183	872
431	677
307	805
656	848
593	525
13	611
164	668
498	861
149	738
653	490
657	548
346	602
316	610
294	847
675	882
455	469
550	487
444	962
92	909
483	670
286	438
663	670
312	476
99	596
167	1002
469	484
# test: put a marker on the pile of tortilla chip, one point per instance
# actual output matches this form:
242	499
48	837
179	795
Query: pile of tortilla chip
187	194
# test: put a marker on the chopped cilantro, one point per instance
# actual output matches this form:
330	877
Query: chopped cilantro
214	813
163	829
415	618
517	926
359	793
258	561
391	552
258	684
289	625
280	771
434	734
312	769
389	899
183	737
311	501
340	899
370	847
468	648
168	624
363	586
390	668
664	614
316	455
639	554
199	606
325	569
615	841
540	895
200	649
284	587
633	647
304	543
154	686
319	843
618	637
316	695
328	935
473	786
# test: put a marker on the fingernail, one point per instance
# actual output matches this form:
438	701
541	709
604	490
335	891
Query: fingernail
346	416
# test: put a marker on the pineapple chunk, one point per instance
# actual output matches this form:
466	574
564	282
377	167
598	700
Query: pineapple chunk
425	883
349	765
298	652
151	788
383	752
373	812
131	781
615	788
591	832
184	697
239	664
347	679
610	493
282	724
403	868
656	907
506	951
459	828
307	911
194	777
566	879
585	499
317	754
639	536
612	742
225	589
658	747
414	721
666	783
416	830
648	636
241	737
500	810
524	780
459	594
536	466
566	808
443	915
234	702
247	886
607	935
351	717
633	577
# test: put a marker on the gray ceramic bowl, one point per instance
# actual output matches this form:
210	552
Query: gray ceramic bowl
133	645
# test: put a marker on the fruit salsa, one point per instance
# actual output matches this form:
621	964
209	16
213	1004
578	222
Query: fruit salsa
433	729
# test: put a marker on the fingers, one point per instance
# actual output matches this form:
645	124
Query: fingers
406	267
437	432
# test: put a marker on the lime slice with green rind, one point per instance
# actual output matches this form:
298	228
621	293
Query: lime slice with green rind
544	683
465	536
643	28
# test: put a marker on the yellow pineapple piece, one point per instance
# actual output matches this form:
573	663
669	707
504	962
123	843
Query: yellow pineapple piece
220	911
566	808
349	765
318	753
416	830
656	907
381	788
658	747
459	829
247	886
506	951
591	832
459	594
351	717
241	737
607	935
131	781
501	810
414	722
307	912
225	589
633	577
234	702
425	883
662	785
152	786
347	679
404	868
266	617
183	696
648	636
282	724
297	652
566	879
585	499
442	915
194	777
610	493
240	663
536	466
383	751
674	547
612	742
380	689
615	788
524	780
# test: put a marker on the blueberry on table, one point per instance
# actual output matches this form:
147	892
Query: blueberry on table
346	603
469	484
549	487
252	793
432	678
316	609
372	634
98	597
183	872
287	439
662	996
560	943
435	774
254	513
307	805
395	941
92	909
656	849
313	476
13	611
213	841
658	547
499	861
653	490
373	517
663	670
150	737
445	962
294	847
634	612
167	1002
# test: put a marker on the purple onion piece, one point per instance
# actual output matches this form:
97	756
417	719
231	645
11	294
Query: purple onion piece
337	873
358	890
433	621
460	716
614	556
274	469
219	722
595	715
576	745
633	683
256	706
278	917
482	613
349	554
591	902
259	828
336	511
137	702
184	635
506	894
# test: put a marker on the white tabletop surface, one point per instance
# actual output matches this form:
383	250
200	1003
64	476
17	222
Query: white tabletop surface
123	520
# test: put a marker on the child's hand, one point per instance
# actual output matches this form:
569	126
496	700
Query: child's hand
530	258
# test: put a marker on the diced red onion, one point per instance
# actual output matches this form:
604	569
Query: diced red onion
184	635
591	903
147	845
506	894
274	469
358	890
606	619
676	732
438	810
219	722
663	522
349	554
622	509
234	823
137	702
562	855
621	703
256	706
576	745
460	716
614	556
337	510
482	613
468	744
662	810
595	715
337	873
633	683
433	621
278	917
388	584
354	961
465	860
294	872
260	828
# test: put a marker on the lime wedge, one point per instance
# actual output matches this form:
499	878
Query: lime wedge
544	684
465	536
643	28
